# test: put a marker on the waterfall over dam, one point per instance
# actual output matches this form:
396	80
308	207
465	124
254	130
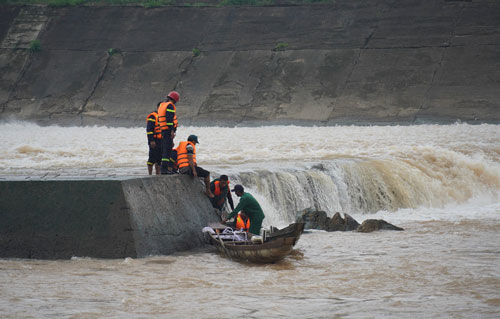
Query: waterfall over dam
367	186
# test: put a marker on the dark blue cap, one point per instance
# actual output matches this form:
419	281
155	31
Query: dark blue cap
238	188
193	138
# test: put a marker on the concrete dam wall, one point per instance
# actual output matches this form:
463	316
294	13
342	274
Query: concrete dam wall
128	217
379	61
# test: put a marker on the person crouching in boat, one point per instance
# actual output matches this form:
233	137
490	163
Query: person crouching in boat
251	208
242	222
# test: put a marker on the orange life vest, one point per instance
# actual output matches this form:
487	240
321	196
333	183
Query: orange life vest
162	116
218	192
241	224
182	154
157	130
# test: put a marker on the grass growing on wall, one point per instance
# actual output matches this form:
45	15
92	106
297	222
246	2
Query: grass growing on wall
35	46
158	3
65	3
281	46
314	1
70	3
197	4
225	3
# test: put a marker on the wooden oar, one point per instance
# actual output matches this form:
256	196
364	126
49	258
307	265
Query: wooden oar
222	243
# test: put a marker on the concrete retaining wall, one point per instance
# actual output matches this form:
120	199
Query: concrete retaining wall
348	61
133	217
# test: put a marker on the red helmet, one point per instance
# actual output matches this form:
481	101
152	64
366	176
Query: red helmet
174	95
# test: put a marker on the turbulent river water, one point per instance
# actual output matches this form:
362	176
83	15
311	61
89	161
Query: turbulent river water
439	182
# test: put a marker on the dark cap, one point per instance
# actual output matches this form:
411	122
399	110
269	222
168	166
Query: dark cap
193	138
238	188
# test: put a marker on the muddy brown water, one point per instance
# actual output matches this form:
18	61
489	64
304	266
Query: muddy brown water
434	269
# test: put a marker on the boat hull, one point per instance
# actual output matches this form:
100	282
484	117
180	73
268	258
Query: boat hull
274	249
269	252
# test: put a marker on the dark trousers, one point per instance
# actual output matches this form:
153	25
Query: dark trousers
166	152
155	153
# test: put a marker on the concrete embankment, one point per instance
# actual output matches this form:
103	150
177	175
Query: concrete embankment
128	217
379	61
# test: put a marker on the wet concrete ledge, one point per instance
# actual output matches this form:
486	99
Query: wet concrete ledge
103	218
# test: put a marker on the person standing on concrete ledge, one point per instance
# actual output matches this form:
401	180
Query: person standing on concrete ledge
250	207
167	119
153	133
186	161
220	188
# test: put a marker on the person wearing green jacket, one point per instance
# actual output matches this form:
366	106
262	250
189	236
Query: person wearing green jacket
250	207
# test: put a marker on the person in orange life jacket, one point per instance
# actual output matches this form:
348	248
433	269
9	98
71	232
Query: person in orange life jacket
167	119
186	161
242	222
220	189
153	133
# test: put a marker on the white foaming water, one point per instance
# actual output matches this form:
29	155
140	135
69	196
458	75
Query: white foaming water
441	183
409	172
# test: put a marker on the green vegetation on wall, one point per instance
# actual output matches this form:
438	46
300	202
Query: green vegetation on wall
52	3
158	3
313	1
35	46
67	3
197	4
281	46
64	3
113	51
225	3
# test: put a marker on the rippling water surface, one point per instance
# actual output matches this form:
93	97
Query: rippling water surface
431	270
440	183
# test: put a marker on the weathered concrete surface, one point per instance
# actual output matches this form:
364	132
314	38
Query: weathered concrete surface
378	61
133	217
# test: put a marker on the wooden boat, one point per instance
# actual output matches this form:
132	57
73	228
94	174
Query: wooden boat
276	245
292	230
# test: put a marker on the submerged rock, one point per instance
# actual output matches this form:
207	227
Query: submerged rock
350	223
336	223
370	225
319	220
313	219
